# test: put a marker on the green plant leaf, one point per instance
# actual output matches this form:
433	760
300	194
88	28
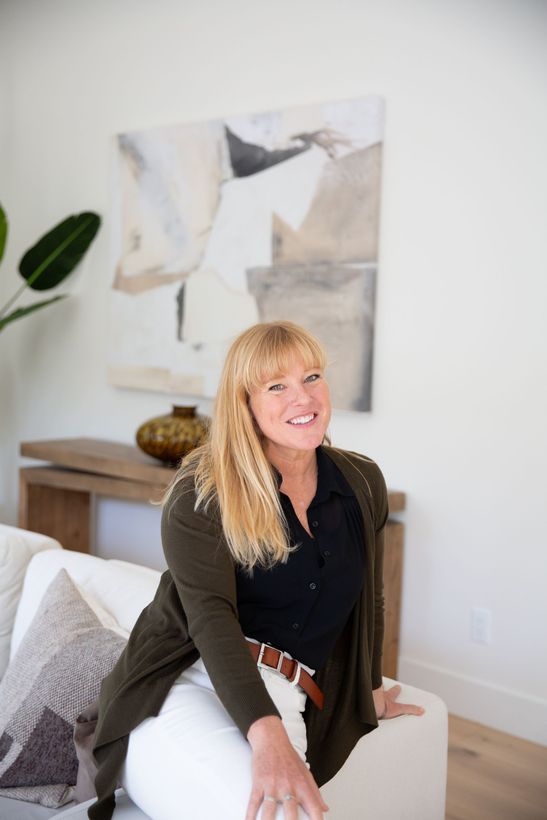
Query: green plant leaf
20	312
3	231
58	252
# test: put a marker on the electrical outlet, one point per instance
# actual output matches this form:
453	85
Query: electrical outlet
481	625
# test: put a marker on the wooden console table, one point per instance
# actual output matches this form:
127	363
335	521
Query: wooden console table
57	500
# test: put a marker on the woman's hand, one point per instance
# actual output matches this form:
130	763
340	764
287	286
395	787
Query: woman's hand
278	772
387	706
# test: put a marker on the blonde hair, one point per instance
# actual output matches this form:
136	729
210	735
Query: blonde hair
231	469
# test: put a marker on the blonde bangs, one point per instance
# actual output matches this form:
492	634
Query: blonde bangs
271	354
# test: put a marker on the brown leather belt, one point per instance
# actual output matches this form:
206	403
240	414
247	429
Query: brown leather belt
271	658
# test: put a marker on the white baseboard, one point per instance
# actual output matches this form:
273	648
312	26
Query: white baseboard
516	713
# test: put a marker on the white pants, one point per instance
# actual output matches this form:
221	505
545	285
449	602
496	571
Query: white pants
191	762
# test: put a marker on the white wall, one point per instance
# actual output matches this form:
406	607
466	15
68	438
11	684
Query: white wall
460	393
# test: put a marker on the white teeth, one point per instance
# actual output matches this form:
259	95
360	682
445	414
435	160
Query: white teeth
301	419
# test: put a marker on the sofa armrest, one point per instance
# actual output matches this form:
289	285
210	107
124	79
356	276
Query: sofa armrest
398	771
17	547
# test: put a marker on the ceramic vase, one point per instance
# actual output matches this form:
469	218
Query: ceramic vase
172	436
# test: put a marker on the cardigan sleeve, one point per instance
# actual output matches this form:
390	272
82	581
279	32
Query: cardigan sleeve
204	576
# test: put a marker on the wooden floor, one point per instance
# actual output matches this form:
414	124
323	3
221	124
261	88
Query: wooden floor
494	776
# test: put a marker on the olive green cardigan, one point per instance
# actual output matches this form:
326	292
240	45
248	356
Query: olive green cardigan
194	613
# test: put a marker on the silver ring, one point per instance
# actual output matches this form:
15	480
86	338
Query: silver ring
270	798
288	797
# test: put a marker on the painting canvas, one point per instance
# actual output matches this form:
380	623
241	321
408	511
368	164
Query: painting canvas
243	219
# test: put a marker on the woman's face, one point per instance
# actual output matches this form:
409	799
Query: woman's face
293	409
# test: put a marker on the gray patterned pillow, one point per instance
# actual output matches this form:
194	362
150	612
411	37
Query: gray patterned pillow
54	674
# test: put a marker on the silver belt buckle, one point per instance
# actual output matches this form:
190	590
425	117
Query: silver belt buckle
263	647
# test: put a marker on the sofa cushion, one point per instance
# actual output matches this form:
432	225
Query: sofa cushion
16	549
56	671
121	589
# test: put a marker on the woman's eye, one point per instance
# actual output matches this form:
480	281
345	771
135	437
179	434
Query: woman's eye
313	377
275	388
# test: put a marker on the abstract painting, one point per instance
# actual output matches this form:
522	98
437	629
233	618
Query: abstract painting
251	218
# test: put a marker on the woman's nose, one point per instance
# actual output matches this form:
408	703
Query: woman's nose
300	395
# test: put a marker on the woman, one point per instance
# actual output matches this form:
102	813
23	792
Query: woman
250	677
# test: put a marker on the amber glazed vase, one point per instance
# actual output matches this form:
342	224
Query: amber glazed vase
171	437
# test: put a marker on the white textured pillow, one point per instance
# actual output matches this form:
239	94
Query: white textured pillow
17	547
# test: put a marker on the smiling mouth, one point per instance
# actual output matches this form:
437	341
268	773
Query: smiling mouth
299	421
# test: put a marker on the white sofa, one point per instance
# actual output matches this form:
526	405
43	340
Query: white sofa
397	772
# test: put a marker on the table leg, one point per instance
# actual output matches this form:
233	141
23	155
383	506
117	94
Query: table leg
60	513
393	573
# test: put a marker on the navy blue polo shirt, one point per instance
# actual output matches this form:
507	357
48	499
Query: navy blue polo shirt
302	606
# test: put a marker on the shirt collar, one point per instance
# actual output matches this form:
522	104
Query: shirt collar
329	478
